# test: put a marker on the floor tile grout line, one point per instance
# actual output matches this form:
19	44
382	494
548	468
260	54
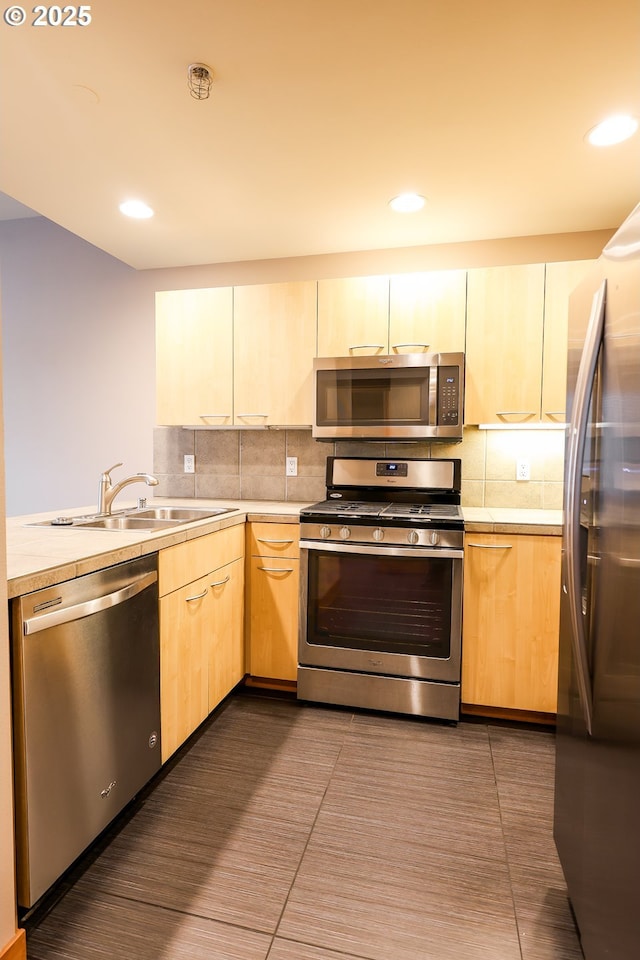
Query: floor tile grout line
506	853
315	820
315	946
183	913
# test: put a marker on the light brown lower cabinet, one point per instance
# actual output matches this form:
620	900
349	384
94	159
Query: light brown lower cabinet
226	646
201	630
511	614
272	600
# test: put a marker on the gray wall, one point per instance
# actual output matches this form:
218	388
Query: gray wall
78	367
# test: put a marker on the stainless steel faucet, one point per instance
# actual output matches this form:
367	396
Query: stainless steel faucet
108	491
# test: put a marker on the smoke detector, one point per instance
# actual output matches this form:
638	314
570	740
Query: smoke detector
200	80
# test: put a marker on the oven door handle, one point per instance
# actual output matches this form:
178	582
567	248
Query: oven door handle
390	551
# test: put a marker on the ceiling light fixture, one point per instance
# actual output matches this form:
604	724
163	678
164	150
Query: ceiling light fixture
136	209
200	80
407	203
612	130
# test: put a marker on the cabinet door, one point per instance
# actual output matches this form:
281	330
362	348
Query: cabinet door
560	281
226	642
273	617
184	664
194	357
353	316
504	344
511	617
275	336
427	312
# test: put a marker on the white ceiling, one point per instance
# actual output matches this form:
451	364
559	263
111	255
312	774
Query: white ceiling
321	111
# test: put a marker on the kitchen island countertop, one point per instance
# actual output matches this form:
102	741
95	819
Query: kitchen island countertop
40	556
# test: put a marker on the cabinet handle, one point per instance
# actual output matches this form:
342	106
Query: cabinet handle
248	416
396	346
515	413
367	346
491	546
214	416
198	596
218	583
555	413
277	569
269	540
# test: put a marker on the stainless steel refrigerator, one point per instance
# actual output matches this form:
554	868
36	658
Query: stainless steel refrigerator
597	799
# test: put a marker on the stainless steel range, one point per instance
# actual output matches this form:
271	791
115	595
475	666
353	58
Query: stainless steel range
381	587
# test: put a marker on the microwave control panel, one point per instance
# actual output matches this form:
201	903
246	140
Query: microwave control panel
448	396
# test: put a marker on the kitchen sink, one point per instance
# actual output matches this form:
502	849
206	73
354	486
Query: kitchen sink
125	523
149	519
182	513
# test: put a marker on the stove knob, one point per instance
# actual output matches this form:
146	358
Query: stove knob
413	536
325	532
434	537
378	534
345	533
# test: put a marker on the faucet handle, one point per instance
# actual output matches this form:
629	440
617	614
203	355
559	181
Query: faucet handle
106	473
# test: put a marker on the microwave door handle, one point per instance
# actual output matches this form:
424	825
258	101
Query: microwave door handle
572	585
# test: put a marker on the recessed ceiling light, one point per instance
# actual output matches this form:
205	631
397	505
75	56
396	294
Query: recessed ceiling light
612	130
407	203
137	209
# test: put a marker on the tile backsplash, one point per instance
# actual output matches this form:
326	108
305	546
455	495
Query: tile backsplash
250	464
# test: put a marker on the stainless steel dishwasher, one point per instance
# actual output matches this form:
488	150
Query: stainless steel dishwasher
86	685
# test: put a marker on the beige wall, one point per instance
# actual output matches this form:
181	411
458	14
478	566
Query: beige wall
587	245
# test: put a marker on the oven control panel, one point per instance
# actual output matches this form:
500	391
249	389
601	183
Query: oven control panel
389	536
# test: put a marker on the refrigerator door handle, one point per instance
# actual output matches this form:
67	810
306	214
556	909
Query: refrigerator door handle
572	585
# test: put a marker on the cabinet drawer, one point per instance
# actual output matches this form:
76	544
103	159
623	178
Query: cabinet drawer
274	539
193	559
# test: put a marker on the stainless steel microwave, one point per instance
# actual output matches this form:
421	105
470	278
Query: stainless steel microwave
408	396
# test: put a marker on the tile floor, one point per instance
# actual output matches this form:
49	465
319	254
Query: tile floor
291	832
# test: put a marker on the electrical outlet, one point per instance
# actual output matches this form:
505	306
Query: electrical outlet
189	463
523	470
291	467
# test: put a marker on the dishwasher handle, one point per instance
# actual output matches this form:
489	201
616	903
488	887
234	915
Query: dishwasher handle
79	610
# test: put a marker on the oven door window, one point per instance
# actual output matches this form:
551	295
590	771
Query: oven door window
380	603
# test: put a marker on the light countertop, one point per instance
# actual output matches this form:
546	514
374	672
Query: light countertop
40	556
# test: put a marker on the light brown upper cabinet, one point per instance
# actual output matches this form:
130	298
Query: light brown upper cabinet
427	312
274	337
517	342
194	357
353	317
505	314
560	280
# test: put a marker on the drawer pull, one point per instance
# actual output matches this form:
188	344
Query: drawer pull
277	569
198	596
269	540
218	583
491	546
